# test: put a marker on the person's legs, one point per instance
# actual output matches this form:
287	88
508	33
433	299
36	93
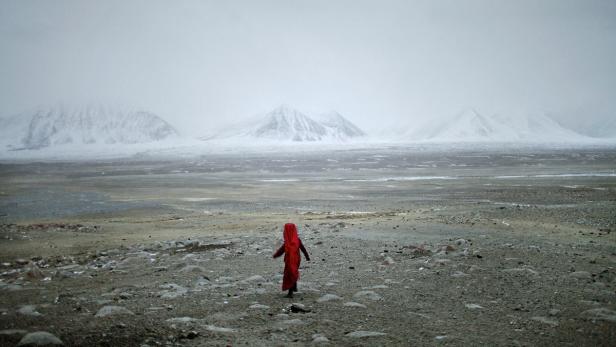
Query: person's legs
294	287
290	294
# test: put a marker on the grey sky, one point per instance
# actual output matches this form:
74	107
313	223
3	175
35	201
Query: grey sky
203	63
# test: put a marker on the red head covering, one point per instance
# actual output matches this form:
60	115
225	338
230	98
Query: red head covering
291	240
291	256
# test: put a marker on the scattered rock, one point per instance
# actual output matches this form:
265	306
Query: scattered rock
473	306
111	310
292	322
368	294
216	329
258	307
354	304
172	291
580	275
40	338
29	310
192	268
458	274
328	297
11	332
255	279
319	338
182	320
521	270
363	333
34	273
600	314
298	308
554	312
388	261
545	320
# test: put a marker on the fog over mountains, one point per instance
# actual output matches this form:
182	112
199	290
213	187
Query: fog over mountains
91	126
471	126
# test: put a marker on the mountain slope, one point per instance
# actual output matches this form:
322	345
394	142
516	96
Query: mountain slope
84	125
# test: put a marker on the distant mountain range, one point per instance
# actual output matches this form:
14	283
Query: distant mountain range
286	124
95	124
83	125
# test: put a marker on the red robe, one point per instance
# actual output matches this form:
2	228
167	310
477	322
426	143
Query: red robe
291	247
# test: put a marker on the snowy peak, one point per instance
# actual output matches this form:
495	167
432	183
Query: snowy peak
285	123
84	125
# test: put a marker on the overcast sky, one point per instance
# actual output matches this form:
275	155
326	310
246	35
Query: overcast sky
202	63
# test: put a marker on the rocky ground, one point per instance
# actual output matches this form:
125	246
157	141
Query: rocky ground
519	261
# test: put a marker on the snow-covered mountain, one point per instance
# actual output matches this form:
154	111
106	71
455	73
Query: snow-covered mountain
82	125
471	126
285	123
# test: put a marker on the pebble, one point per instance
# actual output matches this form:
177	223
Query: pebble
111	310
192	268
40	338
34	273
368	294
388	261
319	338
258	307
545	320
363	333
580	275
255	278
29	310
292	322
600	314
473	306
354	304
11	332
216	329
172	291
328	297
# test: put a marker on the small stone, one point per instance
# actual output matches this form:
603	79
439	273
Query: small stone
111	310
40	338
368	294
258	307
29	310
545	320
328	297
292	322
21	261
554	312
11	332
459	274
600	314
319	338
363	333
388	261
580	275
216	329
473	306
34	273
354	304
255	279
182	320
192	268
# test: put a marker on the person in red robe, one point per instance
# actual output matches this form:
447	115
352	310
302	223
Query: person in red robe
291	247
